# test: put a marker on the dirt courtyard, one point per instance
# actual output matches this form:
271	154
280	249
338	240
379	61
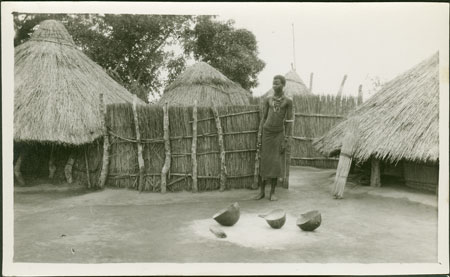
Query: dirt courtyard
61	224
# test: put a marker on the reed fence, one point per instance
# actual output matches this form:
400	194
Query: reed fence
152	147
314	116
160	148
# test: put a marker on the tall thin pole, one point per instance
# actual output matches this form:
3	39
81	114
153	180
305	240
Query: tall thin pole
293	46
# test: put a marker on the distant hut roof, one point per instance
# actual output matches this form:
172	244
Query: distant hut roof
57	88
294	86
401	121
205	84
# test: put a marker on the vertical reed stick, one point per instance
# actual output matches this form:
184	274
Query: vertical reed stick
360	95
223	168
345	159
375	179
139	145
341	88
311	82
166	166
287	153
17	171
68	168
194	148
106	145
51	164
88	176
258	150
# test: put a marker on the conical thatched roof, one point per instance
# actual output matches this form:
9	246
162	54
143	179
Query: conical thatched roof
57	88
205	84
401	121
294	86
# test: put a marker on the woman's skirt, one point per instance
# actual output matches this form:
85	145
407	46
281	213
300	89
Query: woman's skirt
272	160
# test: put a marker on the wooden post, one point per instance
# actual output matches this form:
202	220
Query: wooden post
106	145
258	150
375	177
360	95
223	168
17	171
88	176
166	166
68	169
350	140
287	155
311	81
194	148
51	165
139	145
339	94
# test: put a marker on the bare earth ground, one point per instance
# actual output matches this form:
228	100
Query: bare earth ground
61	224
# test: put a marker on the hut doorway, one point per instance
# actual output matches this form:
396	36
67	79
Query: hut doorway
57	164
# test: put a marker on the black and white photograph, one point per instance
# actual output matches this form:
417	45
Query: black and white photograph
234	138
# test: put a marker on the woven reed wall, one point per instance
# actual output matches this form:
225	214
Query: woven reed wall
314	116
239	125
421	176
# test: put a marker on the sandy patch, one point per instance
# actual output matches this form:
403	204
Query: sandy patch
253	231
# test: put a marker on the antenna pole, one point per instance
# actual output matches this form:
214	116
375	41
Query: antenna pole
293	46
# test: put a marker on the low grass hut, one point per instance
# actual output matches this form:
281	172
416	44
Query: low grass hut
294	86
57	97
206	85
399	125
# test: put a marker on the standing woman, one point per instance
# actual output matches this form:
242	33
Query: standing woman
277	130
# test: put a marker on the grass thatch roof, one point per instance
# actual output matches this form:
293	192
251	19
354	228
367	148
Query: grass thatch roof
401	121
57	88
205	84
294	86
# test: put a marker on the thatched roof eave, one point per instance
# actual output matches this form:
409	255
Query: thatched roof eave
206	85
57	90
400	122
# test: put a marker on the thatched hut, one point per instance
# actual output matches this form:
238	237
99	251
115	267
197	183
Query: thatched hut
294	86
206	85
57	92
399	125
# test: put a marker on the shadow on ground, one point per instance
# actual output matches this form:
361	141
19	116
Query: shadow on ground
74	225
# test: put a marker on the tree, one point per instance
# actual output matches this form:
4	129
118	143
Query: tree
138	50
232	51
132	48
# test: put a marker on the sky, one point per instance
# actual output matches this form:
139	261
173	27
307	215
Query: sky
361	40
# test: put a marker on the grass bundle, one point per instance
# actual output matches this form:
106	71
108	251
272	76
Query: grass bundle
56	89
205	84
401	121
345	159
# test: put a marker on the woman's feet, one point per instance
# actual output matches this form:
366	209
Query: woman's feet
259	196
